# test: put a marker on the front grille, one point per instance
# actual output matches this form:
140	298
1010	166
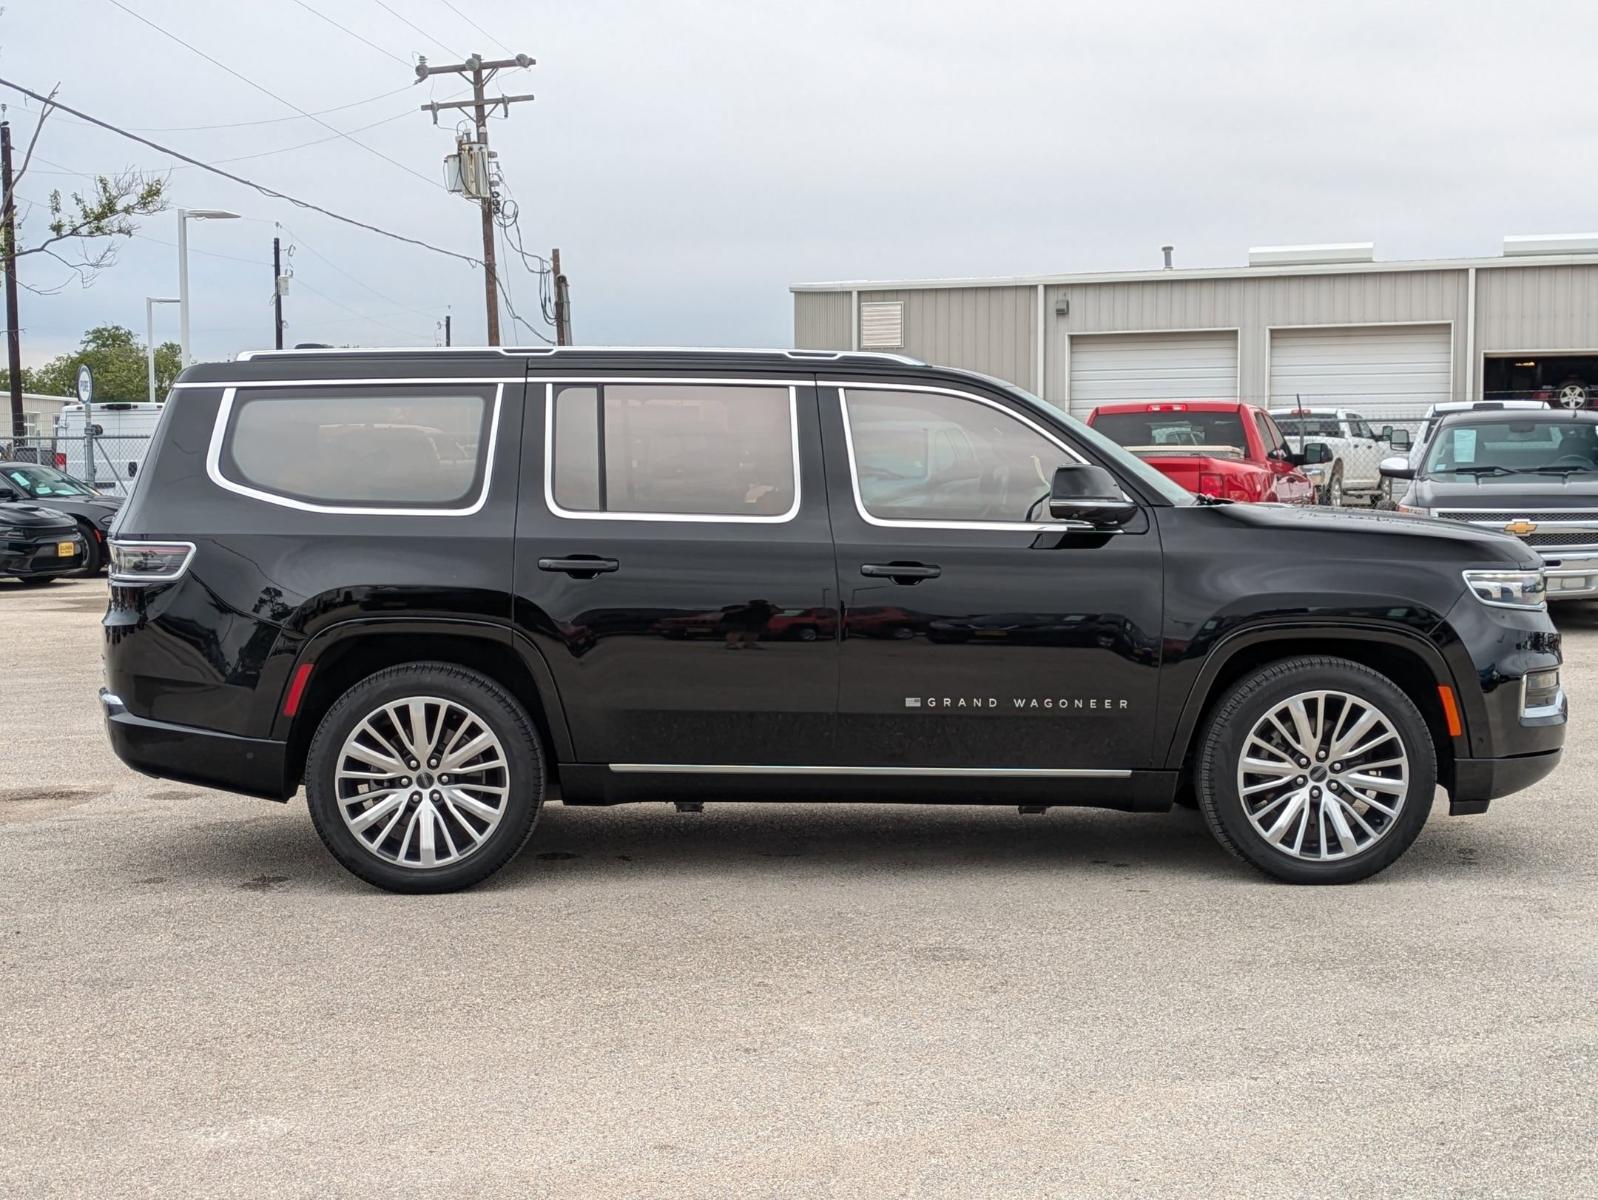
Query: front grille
1561	538
1503	517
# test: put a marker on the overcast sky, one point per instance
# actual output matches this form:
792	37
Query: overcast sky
692	158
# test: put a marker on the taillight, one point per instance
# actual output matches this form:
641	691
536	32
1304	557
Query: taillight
1211	483
149	562
1237	488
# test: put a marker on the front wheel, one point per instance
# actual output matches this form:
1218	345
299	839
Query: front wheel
1316	770
93	552
425	777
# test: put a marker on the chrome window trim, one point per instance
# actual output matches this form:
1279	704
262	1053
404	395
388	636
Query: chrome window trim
949	772
550	383
213	454
843	386
362	382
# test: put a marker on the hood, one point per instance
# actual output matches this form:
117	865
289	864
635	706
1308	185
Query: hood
24	515
1500	492
1428	537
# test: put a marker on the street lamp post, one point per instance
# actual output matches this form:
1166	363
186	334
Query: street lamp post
149	334
184	214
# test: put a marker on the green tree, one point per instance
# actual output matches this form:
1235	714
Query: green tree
29	383
117	359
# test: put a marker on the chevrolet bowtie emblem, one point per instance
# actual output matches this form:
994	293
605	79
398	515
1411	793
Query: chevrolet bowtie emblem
1521	527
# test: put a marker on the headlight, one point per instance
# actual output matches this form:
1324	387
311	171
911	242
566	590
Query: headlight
1508	589
1413	511
11	533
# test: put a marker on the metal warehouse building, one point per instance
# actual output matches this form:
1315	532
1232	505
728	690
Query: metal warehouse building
1308	324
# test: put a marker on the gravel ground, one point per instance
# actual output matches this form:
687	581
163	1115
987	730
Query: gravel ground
772	1001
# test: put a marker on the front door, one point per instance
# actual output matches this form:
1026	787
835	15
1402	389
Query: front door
674	567
978	635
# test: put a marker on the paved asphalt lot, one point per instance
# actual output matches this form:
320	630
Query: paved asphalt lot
772	1002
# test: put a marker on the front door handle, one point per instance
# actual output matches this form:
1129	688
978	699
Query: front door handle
580	566
902	572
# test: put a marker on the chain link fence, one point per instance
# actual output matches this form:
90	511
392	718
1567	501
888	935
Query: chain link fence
109	463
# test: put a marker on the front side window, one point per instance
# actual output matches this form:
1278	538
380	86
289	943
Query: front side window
673	449
360	447
924	456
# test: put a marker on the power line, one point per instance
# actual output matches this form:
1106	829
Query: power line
416	27
358	37
269	92
475	26
356	312
321	112
297	241
268	192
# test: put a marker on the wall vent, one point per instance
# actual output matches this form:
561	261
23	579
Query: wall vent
882	325
1300	256
1550	243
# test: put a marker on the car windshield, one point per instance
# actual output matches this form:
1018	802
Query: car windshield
1174	429
40	482
1553	445
1302	424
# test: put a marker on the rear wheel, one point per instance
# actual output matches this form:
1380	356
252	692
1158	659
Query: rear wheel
1571	394
1316	770
93	552
425	778
1334	487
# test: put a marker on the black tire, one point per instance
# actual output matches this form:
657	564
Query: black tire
496	708
94	551
1573	393
1235	716
1334	486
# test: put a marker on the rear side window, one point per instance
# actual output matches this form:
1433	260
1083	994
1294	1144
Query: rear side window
673	450
360	447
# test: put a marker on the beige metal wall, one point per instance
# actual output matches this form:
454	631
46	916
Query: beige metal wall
821	321
1253	307
979	329
1523	309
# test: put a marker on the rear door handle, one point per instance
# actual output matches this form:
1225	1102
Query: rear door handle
901	572
580	566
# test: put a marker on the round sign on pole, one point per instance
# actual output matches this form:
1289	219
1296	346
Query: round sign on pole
85	383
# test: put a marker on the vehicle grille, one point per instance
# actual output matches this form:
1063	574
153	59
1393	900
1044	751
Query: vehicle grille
1562	538
1482	516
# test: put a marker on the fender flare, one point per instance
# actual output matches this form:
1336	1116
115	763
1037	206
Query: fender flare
1232	644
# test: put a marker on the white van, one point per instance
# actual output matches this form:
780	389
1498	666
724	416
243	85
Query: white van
122	433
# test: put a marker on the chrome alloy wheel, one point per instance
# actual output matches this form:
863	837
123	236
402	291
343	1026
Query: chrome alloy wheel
422	782
1323	776
1573	395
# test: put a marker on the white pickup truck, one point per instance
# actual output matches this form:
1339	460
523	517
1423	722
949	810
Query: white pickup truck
1353	472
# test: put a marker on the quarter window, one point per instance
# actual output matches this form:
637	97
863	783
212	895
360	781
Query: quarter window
715	450
392	447
924	456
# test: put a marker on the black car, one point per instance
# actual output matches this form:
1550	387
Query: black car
89	510
433	585
38	544
1529	473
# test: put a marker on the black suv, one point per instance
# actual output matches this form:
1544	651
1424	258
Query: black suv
434	586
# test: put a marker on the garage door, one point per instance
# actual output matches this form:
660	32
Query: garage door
1107	368
1381	370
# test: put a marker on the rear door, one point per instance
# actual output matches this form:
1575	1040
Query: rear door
674	565
978	637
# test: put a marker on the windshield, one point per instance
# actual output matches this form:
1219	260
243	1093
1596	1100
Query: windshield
40	482
1552	445
1302	424
1174	429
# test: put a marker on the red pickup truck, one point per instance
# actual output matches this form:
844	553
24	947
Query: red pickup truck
1220	447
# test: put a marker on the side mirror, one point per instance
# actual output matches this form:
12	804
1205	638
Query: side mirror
1397	468
1314	454
1084	492
1399	439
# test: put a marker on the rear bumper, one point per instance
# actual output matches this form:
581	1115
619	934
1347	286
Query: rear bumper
1478	780
254	766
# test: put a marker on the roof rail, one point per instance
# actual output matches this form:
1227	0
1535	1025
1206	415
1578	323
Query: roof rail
530	351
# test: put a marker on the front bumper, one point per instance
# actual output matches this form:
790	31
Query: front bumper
1571	578
254	766
39	554
1478	780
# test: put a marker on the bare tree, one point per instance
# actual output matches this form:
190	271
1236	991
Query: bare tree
83	227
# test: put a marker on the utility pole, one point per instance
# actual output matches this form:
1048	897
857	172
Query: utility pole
13	333
277	291
563	304
479	185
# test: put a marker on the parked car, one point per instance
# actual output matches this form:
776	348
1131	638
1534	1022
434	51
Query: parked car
429	651
1530	474
1215	447
1353	470
1435	414
92	511
38	544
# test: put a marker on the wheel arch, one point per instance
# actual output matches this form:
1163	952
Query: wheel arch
1408	660
347	653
